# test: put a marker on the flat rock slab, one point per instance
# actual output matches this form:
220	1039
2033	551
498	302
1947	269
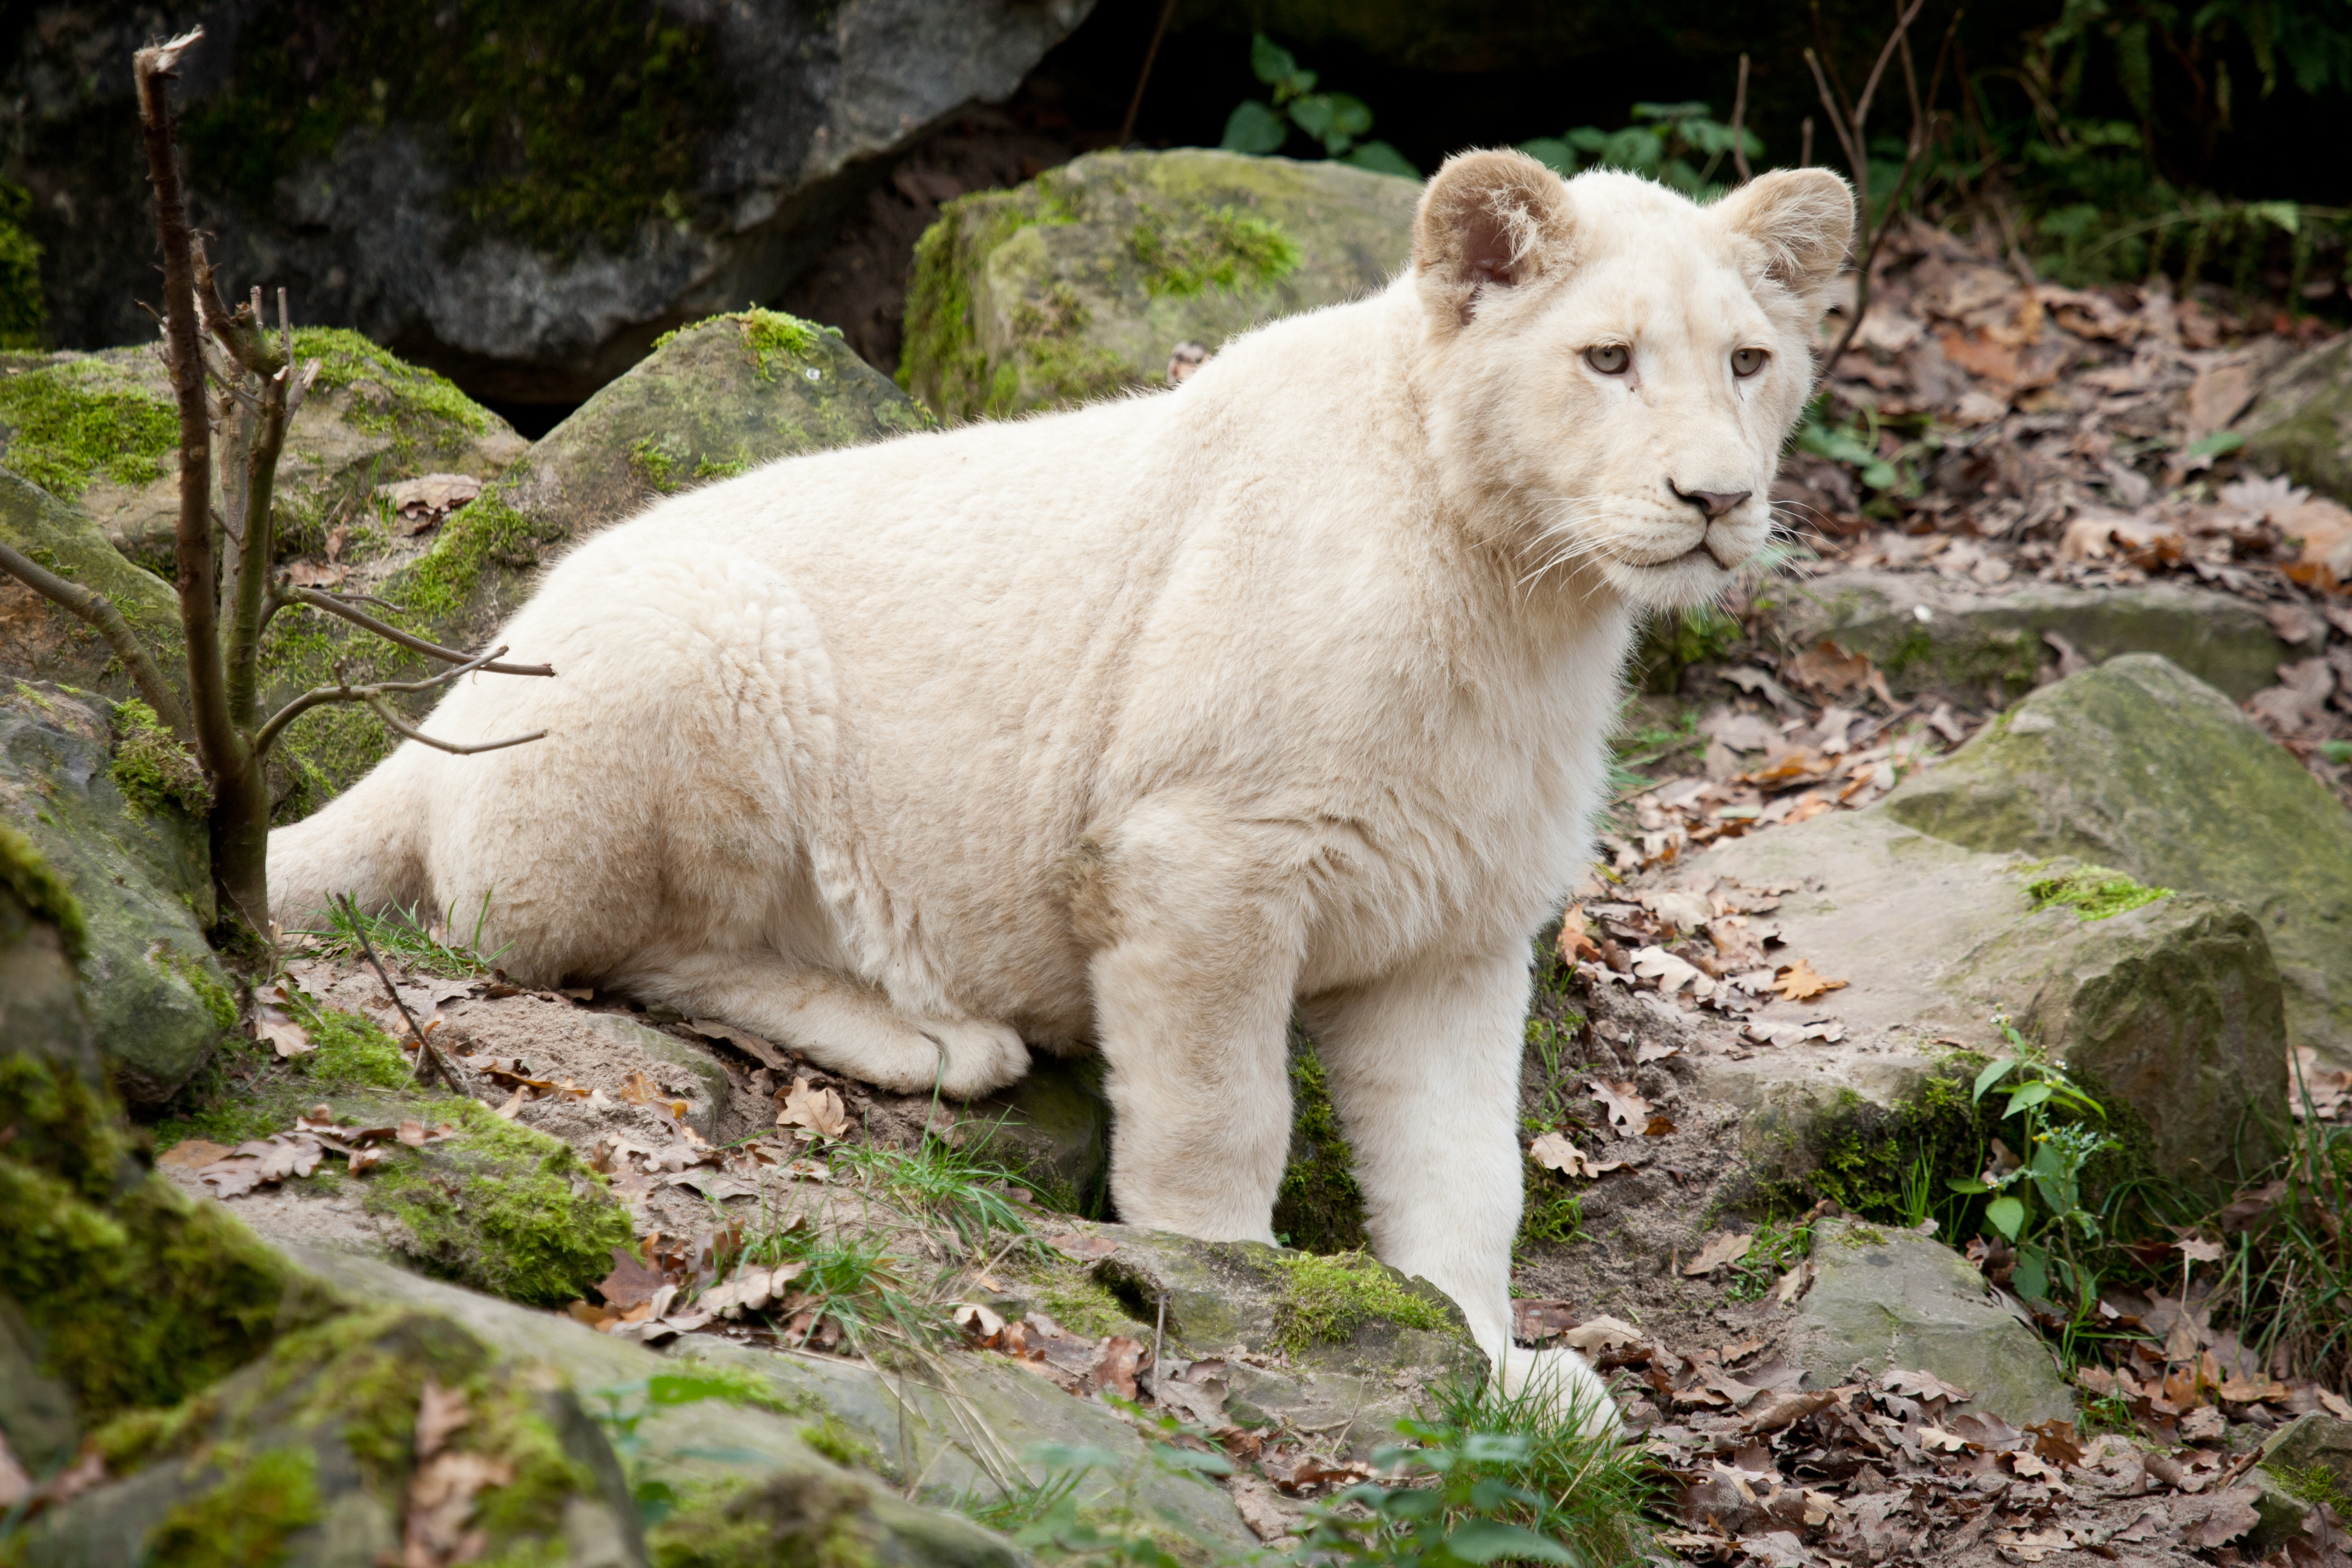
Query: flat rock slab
1934	634
1884	1298
2139	766
2172	1008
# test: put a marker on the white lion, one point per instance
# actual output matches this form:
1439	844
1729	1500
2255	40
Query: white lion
1138	725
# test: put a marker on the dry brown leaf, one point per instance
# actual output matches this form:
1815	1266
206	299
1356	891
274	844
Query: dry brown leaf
819	1110
1729	1248
1600	1334
1799	983
280	1030
1828	668
439	1412
1627	1110
2198	1250
193	1154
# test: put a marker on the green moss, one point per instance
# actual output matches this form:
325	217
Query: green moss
1324	1301
246	1518
943	363
1864	1151
654	463
1551	1214
833	1438
490	529
42	891
2094	892
810	1520
503	1209
1320	1207
24	313
2314	1484
136	1436
1191	250
1078	1301
218	999
405	401
155	771
70	423
556	123
353	1054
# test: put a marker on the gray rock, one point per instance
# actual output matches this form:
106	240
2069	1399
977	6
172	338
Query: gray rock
157	999
1053	1129
1079	283
2137	765
2171	1008
2285	1475
2302	424
1885	1299
918	1431
531	241
1930	634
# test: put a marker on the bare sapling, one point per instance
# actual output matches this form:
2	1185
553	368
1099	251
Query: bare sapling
237	386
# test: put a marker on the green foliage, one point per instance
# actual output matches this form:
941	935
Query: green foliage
2314	1484
939	1183
73	422
1551	1214
152	768
1671	643
42	891
1337	123
490	529
245	1518
417	941
1488	1477
24	313
620	1408
1773	1251
1319	1208
2094	892
1046	1517
2036	1204
853	1280
1676	144
1325	1300
558	121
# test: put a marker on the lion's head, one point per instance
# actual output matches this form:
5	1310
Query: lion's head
1615	367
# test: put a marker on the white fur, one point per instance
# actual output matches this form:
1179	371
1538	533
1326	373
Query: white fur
1140	724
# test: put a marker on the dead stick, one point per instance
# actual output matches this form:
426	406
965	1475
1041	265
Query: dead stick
1738	124
425	1051
1159	1334
1143	78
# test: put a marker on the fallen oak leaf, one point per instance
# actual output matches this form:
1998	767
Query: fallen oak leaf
1555	1152
1799	981
280	1029
819	1110
1602	1333
1786	1409
193	1154
1627	1110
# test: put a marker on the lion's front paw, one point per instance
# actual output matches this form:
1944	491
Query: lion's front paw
976	1057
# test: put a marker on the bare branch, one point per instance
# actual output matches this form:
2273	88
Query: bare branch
373	695
1739	122
424	1052
101	613
393	722
1886	52
318	600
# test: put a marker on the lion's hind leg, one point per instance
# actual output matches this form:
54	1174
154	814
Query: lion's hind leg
844	1025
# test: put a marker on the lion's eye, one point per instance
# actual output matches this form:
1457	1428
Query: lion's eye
1609	358
1747	361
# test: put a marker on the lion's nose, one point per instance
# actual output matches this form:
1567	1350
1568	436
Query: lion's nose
1714	504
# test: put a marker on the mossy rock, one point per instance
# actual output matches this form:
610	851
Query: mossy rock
1930	635
2302	425
2138	766
1077	284
307	1456
2173	1006
138	868
1052	1129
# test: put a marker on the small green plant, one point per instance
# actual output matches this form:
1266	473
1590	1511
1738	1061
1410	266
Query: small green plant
2037	1200
1861	445
1551	1214
1775	1249
941	1184
417	941
1488	1476
1047	1515
2094	892
1676	144
853	1279
1336	121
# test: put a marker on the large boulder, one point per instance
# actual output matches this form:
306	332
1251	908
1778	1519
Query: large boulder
2168	1008
1950	637
2138	766
525	198
1079	283
111	816
2303	422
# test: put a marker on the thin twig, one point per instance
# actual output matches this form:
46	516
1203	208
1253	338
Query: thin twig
1158	1337
1739	122
1916	150
393	722
1143	77
425	1051
347	692
100	611
334	605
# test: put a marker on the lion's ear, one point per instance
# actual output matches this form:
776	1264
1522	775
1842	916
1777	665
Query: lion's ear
1487	220
1802	220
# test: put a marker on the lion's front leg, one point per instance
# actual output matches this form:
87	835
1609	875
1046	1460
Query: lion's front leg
1424	1073
1197	956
